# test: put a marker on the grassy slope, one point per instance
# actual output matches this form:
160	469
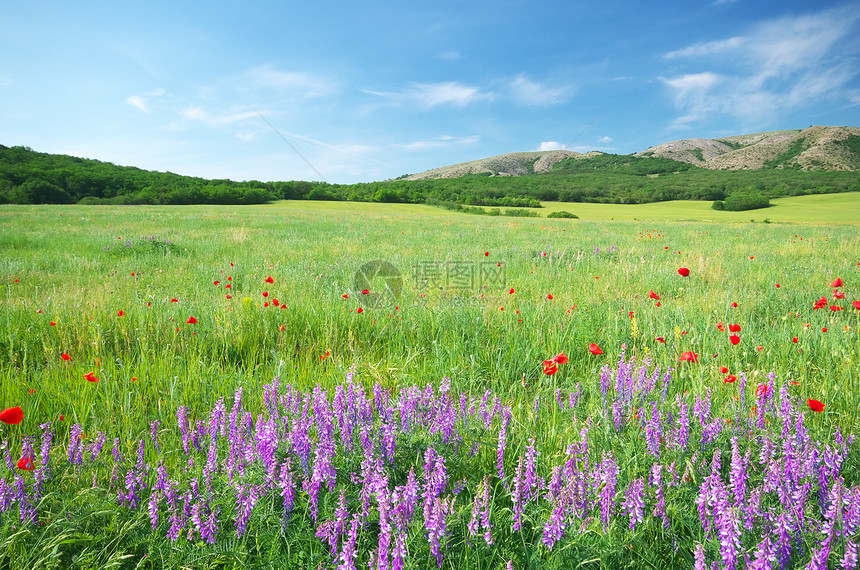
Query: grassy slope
822	208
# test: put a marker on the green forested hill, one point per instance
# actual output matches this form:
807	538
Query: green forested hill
27	176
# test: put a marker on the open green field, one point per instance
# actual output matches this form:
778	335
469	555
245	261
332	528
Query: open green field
843	208
174	309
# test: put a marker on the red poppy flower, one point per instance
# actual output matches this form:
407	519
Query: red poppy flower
65	356
729	379
549	367
594	349
856	305
560	358
53	324
823	329
25	464
836	308
269	279
759	348
90	377
12	415
120	313
265	293
275	302
365	291
283	327
228	286
684	272
721	327
734	304
660	339
724	370
734	328
345	296
653	295
815	405
658	303
512	291
486	254
777	285
549	296
761	390
191	321
229	296
689	356
794	339
174	300
838	294
836	283
359	310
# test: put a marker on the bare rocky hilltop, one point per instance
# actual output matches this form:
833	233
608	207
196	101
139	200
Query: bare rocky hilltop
511	164
814	148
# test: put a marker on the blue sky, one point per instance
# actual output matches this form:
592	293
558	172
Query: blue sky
367	91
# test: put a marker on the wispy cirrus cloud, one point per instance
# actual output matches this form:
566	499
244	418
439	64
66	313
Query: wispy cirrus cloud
429	95
440	142
779	65
217	118
519	89
142	101
524	91
293	83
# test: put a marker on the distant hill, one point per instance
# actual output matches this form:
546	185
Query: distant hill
813	149
750	169
510	164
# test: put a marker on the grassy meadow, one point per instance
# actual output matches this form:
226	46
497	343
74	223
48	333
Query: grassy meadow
175	309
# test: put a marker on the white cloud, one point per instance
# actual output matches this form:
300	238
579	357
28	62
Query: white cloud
707	48
217	118
779	65
452	55
142	101
429	95
286	82
552	145
443	141
528	92
604	140
139	102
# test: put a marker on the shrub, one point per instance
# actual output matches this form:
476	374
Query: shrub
562	214
747	199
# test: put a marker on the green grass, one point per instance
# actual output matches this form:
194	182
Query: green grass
72	266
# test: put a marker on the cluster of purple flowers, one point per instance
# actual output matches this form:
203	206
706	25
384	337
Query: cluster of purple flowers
379	465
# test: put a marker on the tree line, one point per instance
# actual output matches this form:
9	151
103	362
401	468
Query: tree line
28	177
